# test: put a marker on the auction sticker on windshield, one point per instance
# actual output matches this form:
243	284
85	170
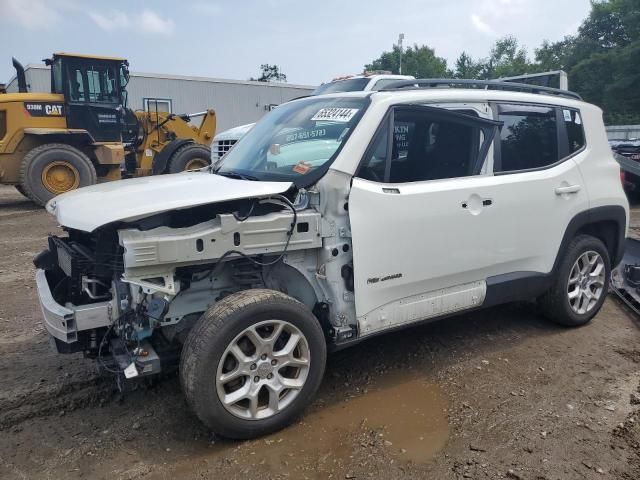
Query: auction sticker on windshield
335	114
302	167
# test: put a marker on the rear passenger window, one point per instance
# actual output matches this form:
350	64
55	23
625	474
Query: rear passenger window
575	131
528	139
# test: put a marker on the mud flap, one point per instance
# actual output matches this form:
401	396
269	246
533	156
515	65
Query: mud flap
625	278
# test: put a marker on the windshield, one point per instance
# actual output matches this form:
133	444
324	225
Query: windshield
295	142
339	86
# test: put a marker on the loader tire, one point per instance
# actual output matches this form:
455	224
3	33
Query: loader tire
21	191
53	169
189	157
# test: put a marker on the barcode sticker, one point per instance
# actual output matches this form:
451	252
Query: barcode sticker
335	114
131	371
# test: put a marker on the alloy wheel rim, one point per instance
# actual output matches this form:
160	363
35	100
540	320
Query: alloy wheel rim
586	282
263	370
60	177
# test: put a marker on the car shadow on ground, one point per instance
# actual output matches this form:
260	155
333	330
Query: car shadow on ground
12	203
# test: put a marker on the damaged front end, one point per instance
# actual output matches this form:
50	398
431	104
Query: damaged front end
127	294
86	304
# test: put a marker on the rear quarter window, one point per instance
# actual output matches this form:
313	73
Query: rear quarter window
574	128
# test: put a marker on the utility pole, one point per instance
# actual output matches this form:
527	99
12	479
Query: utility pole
400	40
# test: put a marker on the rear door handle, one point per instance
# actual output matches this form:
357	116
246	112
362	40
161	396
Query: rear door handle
567	189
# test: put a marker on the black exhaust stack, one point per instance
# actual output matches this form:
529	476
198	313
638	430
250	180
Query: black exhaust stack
22	80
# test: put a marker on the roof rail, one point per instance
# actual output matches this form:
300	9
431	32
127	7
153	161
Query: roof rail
484	84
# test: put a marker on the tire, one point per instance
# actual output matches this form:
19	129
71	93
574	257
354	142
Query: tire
40	182
556	304
21	191
189	157
207	355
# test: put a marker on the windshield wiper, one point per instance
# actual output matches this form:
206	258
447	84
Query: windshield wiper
234	174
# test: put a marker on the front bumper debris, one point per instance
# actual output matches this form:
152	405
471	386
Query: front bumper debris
64	322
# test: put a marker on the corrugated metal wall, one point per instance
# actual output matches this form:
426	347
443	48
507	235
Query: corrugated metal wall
235	102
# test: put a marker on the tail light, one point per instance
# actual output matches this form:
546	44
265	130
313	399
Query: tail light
622	177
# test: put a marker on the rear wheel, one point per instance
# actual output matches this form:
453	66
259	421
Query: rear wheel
252	363
53	169
189	157
581	284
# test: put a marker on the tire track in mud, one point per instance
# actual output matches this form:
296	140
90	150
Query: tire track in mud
18	214
56	400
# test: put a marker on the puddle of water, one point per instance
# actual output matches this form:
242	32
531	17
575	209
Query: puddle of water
409	412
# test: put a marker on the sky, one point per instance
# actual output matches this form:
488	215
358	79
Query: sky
311	41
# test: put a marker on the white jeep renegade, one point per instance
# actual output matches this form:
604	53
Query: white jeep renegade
338	217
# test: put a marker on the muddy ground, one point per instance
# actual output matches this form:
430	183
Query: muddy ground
496	394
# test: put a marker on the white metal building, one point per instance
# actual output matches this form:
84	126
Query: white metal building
623	132
236	102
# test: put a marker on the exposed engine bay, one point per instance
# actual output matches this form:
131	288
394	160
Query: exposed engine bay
131	291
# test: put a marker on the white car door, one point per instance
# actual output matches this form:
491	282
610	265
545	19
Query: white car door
538	185
422	217
442	245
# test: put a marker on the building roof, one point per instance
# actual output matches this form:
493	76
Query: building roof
80	55
39	66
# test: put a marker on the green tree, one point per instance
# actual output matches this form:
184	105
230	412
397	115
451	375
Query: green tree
622	95
591	76
506	59
553	56
270	73
602	59
419	61
611	23
467	67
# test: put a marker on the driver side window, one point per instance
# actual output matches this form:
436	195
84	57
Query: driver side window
422	146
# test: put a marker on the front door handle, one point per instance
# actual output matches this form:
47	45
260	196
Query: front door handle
476	203
567	189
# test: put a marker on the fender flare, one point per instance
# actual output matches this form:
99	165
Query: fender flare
161	160
610	213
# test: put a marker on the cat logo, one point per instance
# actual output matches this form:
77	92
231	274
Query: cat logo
44	109
55	110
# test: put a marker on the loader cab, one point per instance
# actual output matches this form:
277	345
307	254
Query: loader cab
94	92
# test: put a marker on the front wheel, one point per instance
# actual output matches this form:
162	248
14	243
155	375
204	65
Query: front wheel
252	363
21	191
581	284
191	156
53	169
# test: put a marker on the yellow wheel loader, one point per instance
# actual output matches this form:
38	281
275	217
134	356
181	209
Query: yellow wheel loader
83	132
